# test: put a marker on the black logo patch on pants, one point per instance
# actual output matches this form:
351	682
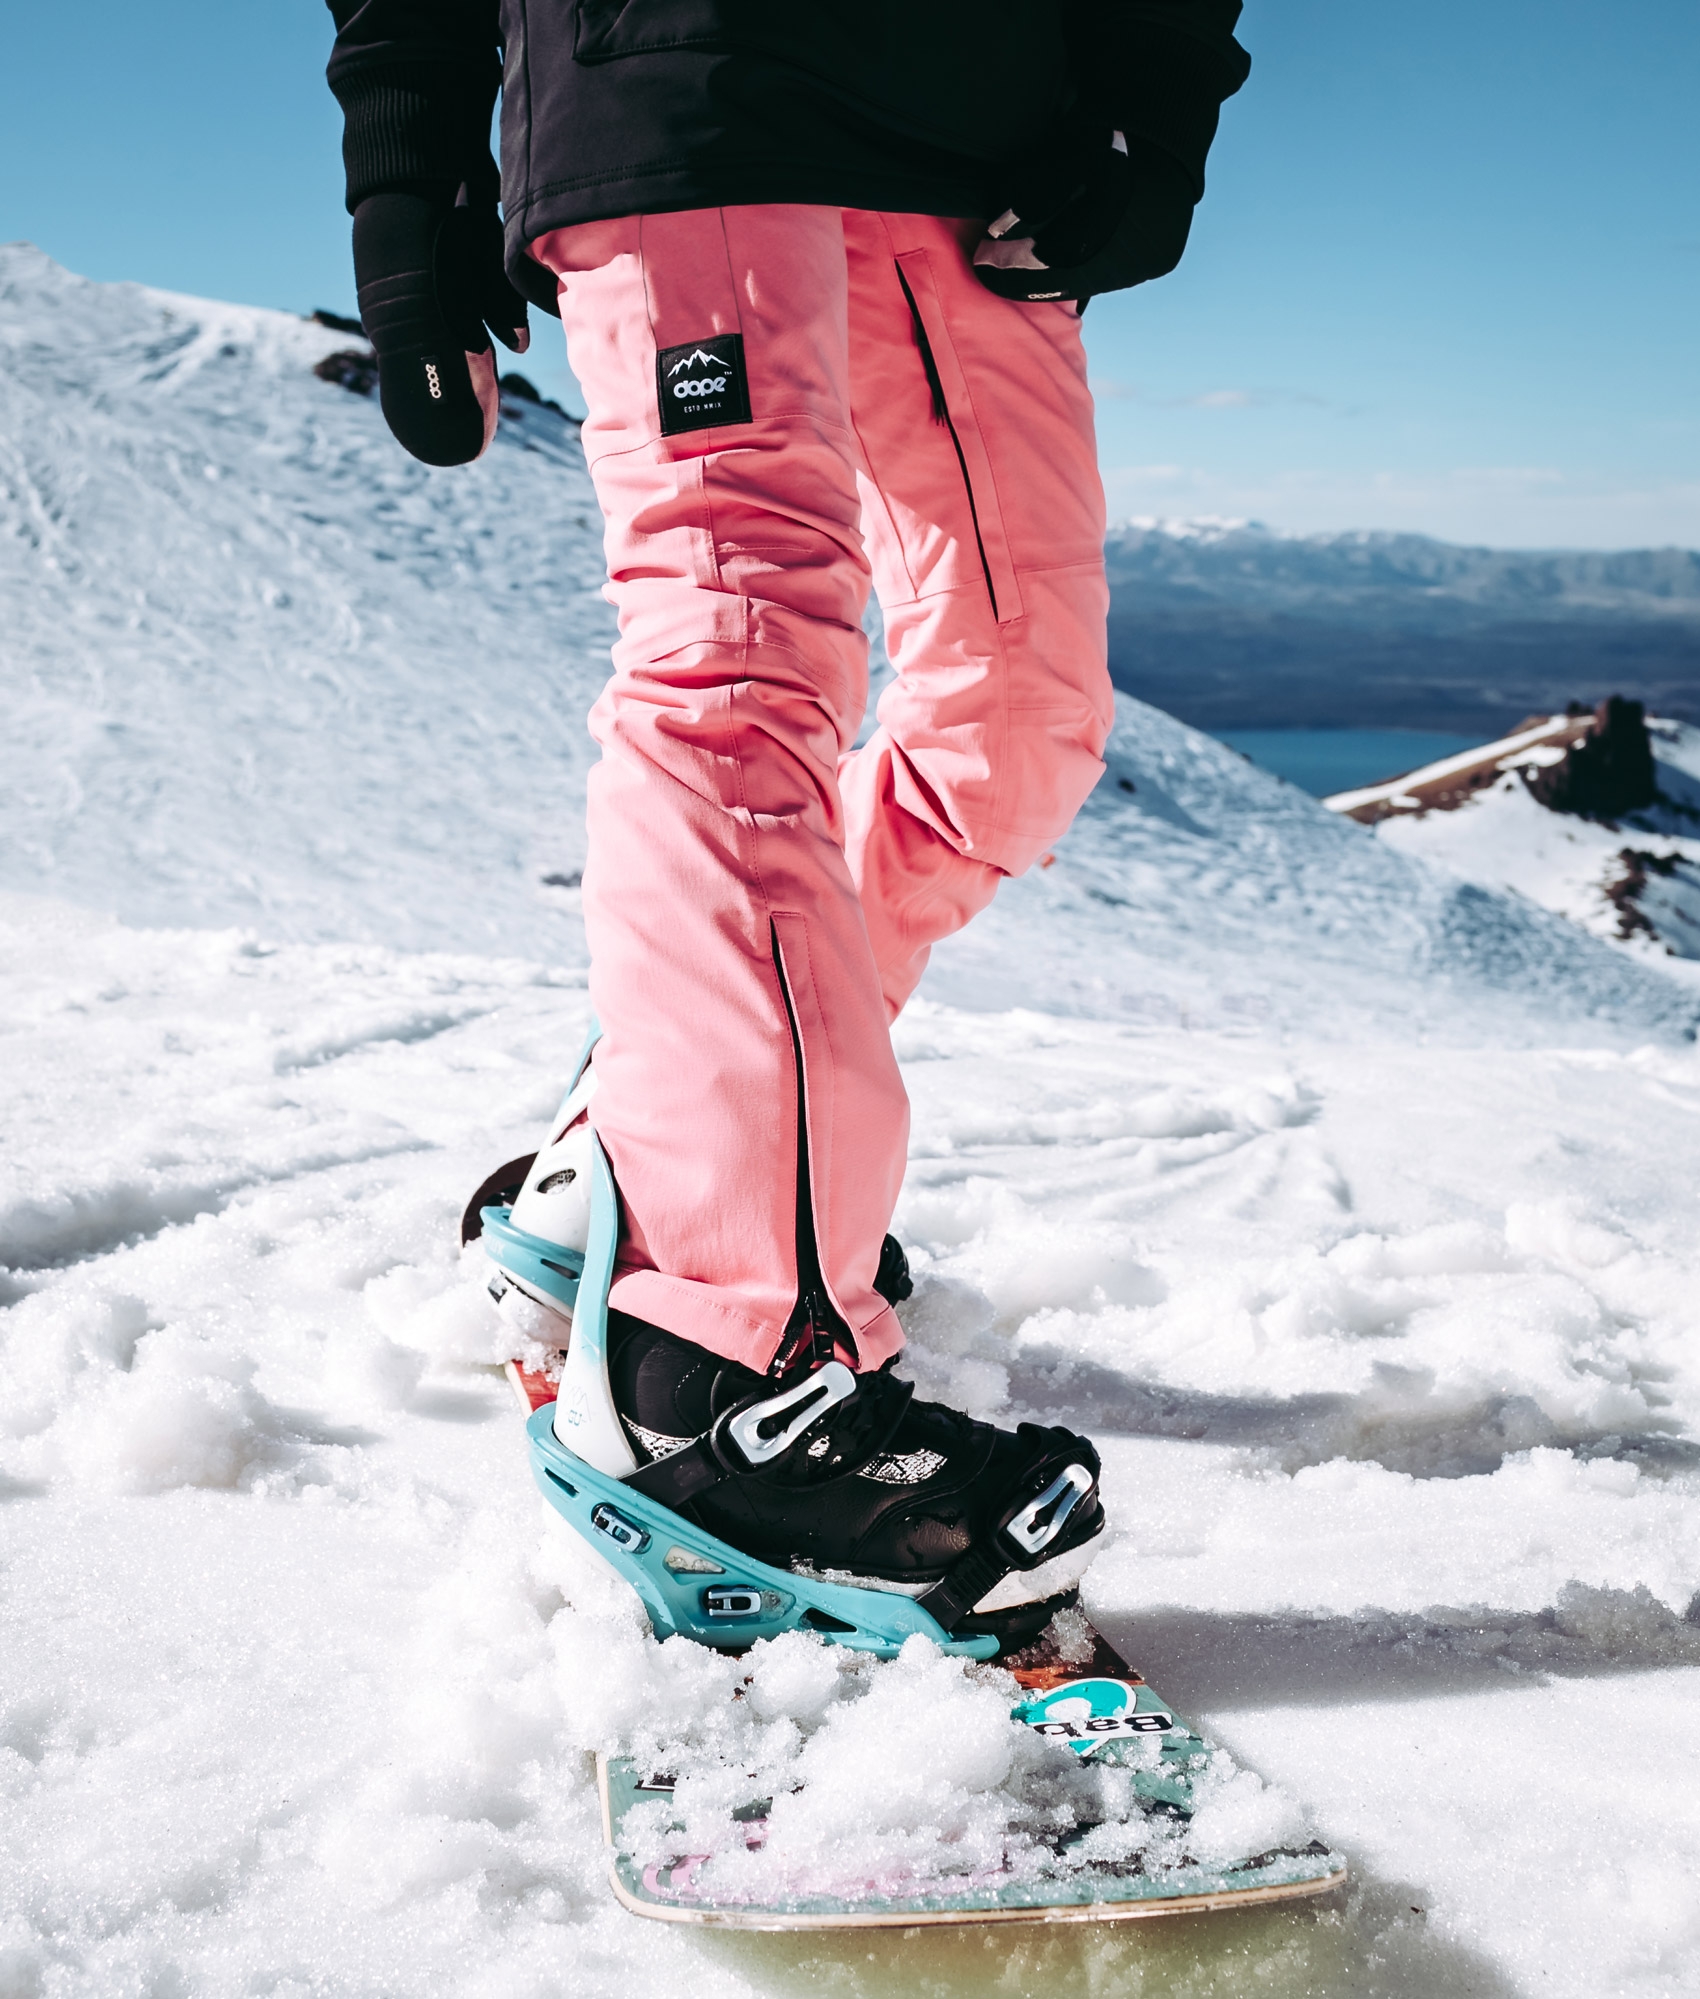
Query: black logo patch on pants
702	383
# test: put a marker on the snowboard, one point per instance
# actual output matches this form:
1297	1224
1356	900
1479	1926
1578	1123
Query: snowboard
1082	1694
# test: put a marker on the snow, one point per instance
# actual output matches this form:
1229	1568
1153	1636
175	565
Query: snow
1347	1202
1503	838
242	630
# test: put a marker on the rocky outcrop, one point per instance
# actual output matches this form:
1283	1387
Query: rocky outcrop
1657	897
351	368
1605	773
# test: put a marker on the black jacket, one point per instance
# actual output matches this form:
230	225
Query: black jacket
620	107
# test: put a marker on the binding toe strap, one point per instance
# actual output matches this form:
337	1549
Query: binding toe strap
746	1439
1030	1531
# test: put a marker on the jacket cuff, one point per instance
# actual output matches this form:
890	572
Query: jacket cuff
415	124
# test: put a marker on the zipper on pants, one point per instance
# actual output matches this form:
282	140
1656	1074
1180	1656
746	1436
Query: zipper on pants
815	1325
941	414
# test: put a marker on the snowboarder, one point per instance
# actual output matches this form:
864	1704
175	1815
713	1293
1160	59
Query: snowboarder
821	269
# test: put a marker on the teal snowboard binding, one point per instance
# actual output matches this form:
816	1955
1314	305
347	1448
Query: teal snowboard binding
532	1215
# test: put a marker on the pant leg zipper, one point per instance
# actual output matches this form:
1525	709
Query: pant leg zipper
941	414
815	1326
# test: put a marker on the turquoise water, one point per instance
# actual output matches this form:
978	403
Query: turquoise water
1323	760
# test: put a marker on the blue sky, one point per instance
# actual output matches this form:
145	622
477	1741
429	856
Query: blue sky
1447	276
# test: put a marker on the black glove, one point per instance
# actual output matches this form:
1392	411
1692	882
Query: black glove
431	278
1091	215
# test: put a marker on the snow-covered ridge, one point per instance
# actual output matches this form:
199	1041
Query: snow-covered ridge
1619	856
1444	783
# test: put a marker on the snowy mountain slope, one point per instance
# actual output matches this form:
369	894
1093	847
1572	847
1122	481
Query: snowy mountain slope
1275	898
258	661
1349	1205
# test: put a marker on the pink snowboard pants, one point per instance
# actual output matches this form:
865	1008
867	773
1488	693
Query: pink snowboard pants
744	865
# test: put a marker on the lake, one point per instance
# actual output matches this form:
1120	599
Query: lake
1323	760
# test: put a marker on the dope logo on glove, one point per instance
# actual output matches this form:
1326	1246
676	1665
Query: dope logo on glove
702	383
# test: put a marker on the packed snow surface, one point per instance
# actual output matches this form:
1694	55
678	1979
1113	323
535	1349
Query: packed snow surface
1350	1205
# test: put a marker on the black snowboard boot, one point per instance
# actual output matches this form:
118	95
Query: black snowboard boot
846	1475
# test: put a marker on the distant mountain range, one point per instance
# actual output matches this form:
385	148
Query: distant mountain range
1236	626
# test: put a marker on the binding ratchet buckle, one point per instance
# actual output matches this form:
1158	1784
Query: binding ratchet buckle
746	1438
1030	1526
762	1431
1038	1522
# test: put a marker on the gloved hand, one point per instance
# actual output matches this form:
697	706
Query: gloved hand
431	278
1094	215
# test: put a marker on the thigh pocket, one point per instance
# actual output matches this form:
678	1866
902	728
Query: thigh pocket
953	409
